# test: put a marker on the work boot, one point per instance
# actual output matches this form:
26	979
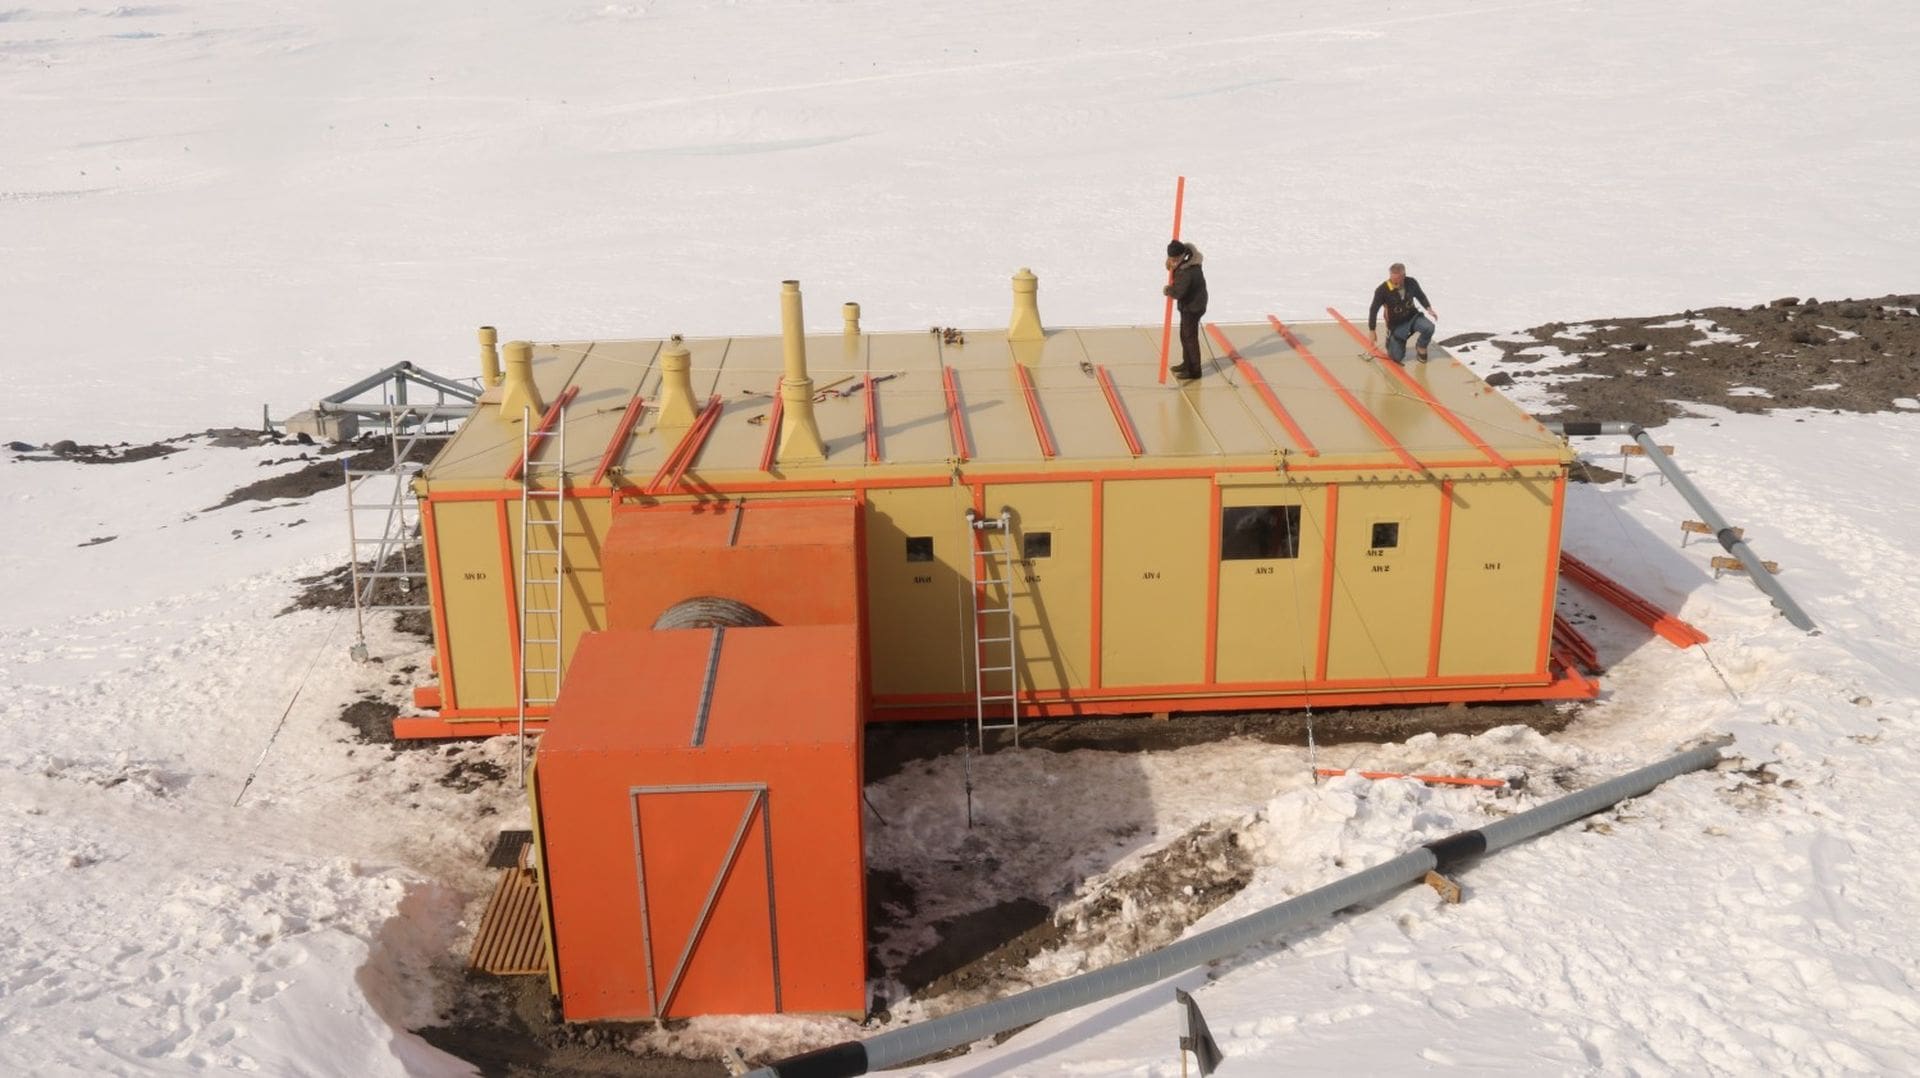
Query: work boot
1186	374
1421	352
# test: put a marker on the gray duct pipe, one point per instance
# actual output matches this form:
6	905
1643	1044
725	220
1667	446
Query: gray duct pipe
1722	531
899	1046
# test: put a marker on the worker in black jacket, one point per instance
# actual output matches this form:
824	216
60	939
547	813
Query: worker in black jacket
1189	291
1403	299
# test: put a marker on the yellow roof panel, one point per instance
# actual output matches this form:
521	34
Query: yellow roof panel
1222	416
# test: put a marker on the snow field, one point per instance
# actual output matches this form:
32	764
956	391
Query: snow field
211	205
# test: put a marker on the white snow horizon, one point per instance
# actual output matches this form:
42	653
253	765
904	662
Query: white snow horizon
214	206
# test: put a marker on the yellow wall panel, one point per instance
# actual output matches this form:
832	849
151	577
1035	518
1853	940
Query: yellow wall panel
917	610
1270	607
1155	552
1383	598
1052	595
474	588
1496	576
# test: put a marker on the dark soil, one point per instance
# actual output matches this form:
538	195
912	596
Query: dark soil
1647	375
371	452
371	719
125	453
508	1029
333	590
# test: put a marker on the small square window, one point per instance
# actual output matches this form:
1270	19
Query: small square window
1259	532
1036	545
1386	535
919	548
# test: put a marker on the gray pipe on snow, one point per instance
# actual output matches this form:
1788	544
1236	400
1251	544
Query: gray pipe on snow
1722	531
899	1046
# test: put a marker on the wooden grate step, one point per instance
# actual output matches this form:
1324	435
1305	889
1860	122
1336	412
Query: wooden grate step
510	940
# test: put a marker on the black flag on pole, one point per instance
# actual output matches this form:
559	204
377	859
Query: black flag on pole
1194	1036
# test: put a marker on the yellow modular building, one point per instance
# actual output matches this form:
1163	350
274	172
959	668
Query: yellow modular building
1307	524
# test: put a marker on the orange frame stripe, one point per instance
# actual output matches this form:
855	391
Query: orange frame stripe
1119	410
1213	584
1446	414
507	579
773	430
1266	392
1326	582
1040	432
1353	403
956	421
1098	571
1440	579
1552	574
686	449
873	424
437	594
621	431
540	433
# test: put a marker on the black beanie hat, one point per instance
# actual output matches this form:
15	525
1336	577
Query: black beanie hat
1176	249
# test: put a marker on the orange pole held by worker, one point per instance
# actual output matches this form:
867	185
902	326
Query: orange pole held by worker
1166	327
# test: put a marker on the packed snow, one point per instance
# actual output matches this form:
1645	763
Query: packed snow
210	207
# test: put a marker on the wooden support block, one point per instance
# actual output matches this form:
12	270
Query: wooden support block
1690	528
1635	449
1162	716
1735	565
1449	891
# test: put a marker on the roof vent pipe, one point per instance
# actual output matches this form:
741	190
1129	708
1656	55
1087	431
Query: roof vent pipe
799	433
1026	308
676	386
489	357
519	394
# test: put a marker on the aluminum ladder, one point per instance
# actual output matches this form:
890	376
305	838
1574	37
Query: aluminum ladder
383	523
543	568
994	626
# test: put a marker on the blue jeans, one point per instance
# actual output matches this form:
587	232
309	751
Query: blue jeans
1397	336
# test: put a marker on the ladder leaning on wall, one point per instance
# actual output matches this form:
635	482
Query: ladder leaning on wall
995	681
543	569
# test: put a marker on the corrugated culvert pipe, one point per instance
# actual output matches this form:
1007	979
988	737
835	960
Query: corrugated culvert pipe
710	612
900	1046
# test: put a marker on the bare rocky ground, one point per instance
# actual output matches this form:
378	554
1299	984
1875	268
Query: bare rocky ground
1849	355
1845	356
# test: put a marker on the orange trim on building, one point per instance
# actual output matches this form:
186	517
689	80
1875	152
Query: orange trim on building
774	416
1098	583
684	451
956	418
1551	590
1040	432
873	423
1440	579
508	579
1326	581
1346	396
1252	374
1446	414
1211	667
541	432
437	599
1119	410
621	431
